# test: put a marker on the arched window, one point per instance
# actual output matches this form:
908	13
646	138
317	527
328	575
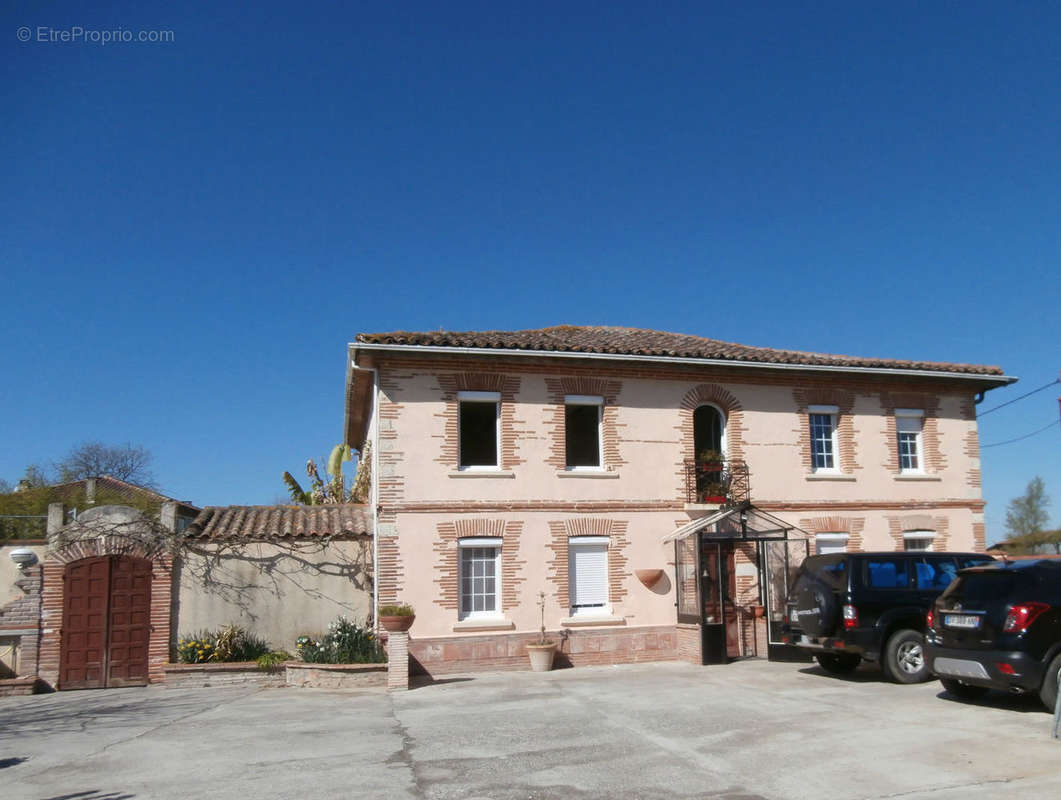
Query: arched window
709	432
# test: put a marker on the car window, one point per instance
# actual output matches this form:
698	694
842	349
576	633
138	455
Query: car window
887	573
830	569
934	573
985	587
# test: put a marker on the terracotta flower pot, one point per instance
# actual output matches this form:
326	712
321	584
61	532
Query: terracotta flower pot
397	624
541	656
759	611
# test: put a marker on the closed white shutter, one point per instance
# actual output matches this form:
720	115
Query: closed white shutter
588	565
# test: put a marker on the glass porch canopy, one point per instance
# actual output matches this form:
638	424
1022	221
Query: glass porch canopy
743	521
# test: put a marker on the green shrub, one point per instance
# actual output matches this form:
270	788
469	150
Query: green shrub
346	642
271	661
230	643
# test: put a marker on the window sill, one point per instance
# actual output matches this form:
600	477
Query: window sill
497	624
481	473
703	506
586	473
830	476
916	477
590	622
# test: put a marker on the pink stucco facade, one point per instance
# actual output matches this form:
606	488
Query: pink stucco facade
532	505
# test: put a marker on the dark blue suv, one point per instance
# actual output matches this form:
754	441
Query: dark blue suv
998	627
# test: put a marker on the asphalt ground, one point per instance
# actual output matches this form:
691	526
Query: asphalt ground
747	730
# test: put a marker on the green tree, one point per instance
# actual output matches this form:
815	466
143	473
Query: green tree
1026	515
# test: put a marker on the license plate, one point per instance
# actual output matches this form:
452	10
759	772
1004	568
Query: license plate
961	621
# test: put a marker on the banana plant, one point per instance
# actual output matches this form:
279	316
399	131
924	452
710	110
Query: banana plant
328	490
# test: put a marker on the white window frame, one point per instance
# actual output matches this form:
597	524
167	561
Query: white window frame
468	543
919	450
827	543
833	412
587	400
481	397
919	536
604	610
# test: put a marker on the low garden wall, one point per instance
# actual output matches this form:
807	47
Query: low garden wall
10	687
334	676
237	673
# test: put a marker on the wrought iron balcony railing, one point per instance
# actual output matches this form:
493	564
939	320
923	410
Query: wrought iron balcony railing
718	481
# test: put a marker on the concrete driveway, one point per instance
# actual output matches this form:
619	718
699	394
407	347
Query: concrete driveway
743	731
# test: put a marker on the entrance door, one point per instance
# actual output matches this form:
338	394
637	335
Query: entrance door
718	587
106	623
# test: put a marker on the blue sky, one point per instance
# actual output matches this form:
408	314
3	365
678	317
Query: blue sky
192	231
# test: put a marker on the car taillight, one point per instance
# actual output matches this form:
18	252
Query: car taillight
1023	615
850	616
930	618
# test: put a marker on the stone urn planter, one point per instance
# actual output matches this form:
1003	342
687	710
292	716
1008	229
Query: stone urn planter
396	619
541	656
396	624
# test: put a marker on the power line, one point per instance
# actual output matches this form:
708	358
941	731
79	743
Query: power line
1015	399
1020	438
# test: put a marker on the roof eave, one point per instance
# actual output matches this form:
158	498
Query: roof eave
993	381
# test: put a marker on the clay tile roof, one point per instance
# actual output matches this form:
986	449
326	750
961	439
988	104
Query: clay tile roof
262	523
644	342
116	486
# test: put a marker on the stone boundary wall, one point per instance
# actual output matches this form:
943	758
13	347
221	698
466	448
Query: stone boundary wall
236	673
334	676
578	647
12	687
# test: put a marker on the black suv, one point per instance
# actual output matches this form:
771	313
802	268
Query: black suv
845	607
999	627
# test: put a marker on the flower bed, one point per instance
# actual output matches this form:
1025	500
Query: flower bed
334	676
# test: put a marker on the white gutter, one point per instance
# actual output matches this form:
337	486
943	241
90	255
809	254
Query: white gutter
373	436
1002	380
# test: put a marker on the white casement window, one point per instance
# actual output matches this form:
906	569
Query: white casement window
479	422
918	540
480	578
908	425
588	575
825	543
582	432
823	444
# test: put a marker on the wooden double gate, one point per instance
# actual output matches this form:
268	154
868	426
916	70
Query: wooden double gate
106	623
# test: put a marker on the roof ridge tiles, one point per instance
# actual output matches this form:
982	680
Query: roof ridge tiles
627	341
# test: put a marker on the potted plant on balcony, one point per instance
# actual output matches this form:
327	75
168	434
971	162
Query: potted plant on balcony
541	652
397	618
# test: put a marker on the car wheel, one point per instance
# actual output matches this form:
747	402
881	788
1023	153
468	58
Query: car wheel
963	691
904	657
838	663
816	608
1048	691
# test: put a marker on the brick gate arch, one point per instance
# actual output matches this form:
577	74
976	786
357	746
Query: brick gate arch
106	625
132	568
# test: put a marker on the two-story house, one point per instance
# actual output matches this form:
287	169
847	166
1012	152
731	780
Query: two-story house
659	488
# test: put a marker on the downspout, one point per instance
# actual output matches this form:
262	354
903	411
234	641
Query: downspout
374	494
